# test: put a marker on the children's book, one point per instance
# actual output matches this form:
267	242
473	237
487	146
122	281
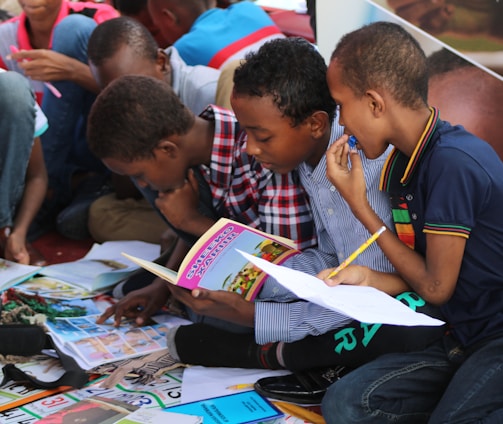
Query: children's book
213	262
94	344
102	267
90	410
239	408
12	273
158	416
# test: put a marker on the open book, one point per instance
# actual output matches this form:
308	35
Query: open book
213	262
94	344
102	267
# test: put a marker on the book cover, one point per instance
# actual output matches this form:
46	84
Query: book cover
90	410
213	262
239	408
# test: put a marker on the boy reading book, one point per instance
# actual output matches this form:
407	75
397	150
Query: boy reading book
448	187
139	128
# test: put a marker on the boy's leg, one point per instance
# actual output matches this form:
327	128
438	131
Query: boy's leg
474	393
17	125
395	388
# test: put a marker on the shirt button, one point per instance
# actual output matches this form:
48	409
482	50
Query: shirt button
332	189
330	211
409	197
414	216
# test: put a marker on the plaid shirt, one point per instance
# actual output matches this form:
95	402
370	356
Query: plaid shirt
246	192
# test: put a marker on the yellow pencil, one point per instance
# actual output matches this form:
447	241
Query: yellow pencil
240	386
355	254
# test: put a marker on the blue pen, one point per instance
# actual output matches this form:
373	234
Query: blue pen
352	141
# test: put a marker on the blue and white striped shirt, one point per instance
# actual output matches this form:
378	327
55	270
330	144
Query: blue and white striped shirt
279	314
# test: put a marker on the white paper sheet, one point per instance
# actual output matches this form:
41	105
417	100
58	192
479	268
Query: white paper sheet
365	304
207	382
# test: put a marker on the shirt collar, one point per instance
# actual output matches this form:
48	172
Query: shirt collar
399	167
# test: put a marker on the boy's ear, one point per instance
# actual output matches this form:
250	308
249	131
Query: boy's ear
375	102
319	122
168	148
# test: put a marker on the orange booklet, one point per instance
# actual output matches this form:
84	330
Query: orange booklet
213	262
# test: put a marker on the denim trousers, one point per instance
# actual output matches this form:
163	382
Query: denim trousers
17	125
64	143
441	384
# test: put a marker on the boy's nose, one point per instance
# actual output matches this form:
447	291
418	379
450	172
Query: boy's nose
252	147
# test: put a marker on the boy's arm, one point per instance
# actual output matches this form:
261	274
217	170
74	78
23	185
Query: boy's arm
48	65
33	196
180	207
433	277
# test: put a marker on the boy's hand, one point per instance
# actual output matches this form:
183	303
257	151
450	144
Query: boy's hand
15	250
180	206
139	304
354	274
217	304
349	182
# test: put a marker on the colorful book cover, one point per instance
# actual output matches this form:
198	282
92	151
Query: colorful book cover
214	263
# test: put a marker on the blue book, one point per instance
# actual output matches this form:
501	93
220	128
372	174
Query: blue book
237	408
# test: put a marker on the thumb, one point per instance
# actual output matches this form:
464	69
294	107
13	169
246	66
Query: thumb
356	160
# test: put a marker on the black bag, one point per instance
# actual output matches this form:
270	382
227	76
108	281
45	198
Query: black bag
29	340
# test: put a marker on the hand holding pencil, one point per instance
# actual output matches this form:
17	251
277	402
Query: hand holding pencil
357	252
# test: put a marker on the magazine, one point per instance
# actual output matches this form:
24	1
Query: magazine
213	262
94	344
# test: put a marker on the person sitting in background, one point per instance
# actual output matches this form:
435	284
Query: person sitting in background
204	34
137	9
51	36
23	176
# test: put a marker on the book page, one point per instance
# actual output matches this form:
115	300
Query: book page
12	273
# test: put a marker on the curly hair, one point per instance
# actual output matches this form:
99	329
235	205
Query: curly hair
384	55
290	70
109	36
132	115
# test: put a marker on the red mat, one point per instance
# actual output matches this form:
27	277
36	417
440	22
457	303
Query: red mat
57	249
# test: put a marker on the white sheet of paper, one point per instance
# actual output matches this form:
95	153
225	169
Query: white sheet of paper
365	304
206	382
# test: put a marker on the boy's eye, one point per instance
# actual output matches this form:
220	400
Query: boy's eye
263	140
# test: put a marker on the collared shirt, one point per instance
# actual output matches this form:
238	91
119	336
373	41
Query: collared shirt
453	185
339	234
244	191
195	85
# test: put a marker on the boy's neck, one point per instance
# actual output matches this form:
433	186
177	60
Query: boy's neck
408	129
199	142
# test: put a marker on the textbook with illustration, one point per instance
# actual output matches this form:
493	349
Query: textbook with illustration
213	262
100	268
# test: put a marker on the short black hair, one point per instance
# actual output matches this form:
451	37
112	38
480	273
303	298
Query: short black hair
109	36
132	115
443	61
293	72
384	55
